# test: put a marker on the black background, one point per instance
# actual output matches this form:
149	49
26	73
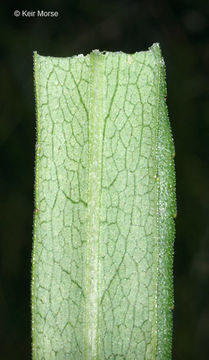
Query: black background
182	29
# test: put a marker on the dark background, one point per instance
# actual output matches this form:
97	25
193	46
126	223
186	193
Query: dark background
182	29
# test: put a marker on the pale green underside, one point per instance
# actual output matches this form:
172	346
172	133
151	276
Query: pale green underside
104	196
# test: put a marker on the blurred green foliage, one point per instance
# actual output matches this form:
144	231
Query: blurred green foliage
182	29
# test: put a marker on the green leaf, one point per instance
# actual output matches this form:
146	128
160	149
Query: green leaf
105	202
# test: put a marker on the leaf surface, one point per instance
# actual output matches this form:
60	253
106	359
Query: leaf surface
104	197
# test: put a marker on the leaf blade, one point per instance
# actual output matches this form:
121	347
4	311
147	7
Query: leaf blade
107	120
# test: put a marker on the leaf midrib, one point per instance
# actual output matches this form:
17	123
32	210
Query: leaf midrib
96	124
